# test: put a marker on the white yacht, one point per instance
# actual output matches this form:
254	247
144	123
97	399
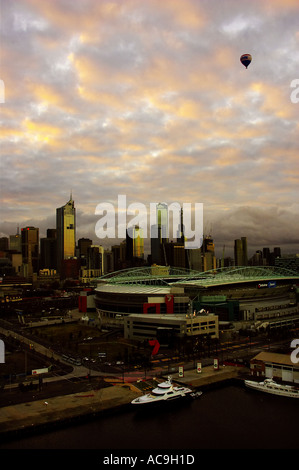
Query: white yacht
164	392
269	386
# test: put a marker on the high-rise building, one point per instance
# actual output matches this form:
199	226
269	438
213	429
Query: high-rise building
4	244
48	250
15	242
240	250
30	249
208	254
175	254
83	245
162	222
134	243
66	232
159	234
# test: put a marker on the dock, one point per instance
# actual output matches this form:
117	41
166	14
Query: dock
64	410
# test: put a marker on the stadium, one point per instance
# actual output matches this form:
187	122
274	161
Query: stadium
239	297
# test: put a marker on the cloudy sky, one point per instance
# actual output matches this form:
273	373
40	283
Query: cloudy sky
148	99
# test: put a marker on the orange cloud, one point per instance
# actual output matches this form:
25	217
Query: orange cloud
39	132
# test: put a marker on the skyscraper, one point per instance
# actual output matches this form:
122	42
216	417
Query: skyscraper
30	249
48	250
66	232
240	250
208	254
15	242
162	222
134	243
159	234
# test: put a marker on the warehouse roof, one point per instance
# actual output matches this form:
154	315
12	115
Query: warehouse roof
275	358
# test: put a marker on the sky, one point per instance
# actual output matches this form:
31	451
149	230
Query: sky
148	99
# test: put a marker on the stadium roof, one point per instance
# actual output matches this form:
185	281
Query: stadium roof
167	275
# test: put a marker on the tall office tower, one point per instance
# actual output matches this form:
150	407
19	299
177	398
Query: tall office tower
162	222
95	258
119	255
159	234
277	252
175	254
240	250
66	232
156	251
266	256
134	243
208	254
83	245
181	230
30	249
4	244
48	250
15	242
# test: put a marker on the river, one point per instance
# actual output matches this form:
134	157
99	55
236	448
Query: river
231	417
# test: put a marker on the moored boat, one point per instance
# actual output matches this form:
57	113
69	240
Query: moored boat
270	386
164	392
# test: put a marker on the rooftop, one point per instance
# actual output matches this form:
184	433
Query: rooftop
170	276
276	358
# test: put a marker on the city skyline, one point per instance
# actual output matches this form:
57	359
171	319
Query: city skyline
150	100
66	223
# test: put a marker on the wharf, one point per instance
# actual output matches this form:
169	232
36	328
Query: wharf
63	410
54	412
210	377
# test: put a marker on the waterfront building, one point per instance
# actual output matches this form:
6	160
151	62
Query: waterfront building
275	366
66	232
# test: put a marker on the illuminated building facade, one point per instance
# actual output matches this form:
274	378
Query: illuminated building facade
66	232
134	243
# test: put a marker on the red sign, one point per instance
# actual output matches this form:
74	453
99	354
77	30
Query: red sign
156	344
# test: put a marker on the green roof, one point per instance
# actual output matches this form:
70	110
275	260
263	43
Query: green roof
168	275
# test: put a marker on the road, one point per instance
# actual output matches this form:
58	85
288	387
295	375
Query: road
162	366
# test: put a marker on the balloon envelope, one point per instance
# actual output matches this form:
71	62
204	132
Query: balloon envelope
245	59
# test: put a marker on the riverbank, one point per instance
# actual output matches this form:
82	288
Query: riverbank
43	415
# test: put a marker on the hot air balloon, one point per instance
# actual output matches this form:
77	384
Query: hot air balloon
245	59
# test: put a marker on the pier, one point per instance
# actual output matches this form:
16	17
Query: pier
41	415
